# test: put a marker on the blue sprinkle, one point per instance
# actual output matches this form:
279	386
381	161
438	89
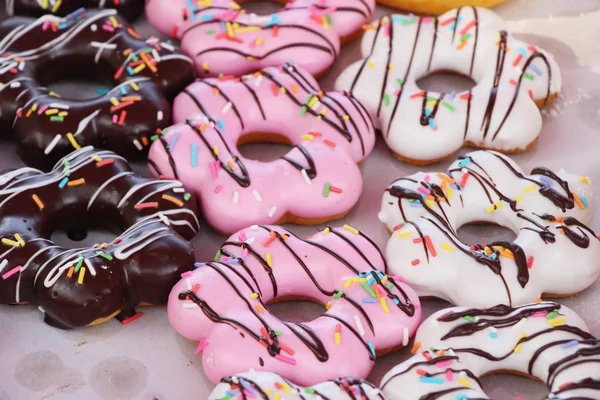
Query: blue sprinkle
63	183
431	379
194	155
221	124
101	92
372	348
363	274
569	344
535	69
368	300
233	261
274	21
122	89
173	141
233	393
584	201
452	95
223	26
522	51
494	256
396	301
206	17
461	396
427	112
545	180
199	264
431	123
130	70
416	204
464	161
371	280
493	335
63	26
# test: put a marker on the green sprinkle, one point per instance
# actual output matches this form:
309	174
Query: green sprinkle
329	19
56	118
134	57
552	315
309	390
468	318
104	255
390	286
79	263
465	37
227	397
210	32
338	294
429	98
527	75
326	190
277	333
386	99
368	289
218	255
303	111
153	137
449	106
164	131
400	81
407	22
66	165
187	196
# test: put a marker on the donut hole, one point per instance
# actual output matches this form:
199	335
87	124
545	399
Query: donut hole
74	227
262	7
80	79
507	385
296	310
446	82
264	147
484	232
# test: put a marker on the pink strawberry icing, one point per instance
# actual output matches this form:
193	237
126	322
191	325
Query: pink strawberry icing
316	180
221	305
223	38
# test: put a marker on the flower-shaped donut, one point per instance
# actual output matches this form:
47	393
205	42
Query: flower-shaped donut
318	180
130	9
92	188
34	53
273	386
225	39
457	346
554	253
222	305
498	113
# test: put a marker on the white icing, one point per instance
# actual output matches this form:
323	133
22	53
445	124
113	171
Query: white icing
503	119
452	272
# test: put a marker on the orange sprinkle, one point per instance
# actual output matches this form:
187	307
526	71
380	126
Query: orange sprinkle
104	162
578	200
329	143
38	201
76	182
369	27
70	273
415	348
172	200
259	309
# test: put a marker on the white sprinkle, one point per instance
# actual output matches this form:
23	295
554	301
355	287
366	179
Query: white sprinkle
254	227
493	329
137	144
226	107
450	352
316	105
258	81
236	197
100	45
42	310
250	240
464	171
159	116
178	190
519	324
191	304
305	176
52	144
156	55
405	336
257	195
59	105
188	283
3	264
359	325
21	65
90	266
15	84
167	46
164	219
272	211
94	28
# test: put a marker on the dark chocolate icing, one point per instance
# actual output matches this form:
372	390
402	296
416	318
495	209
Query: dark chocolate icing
130	9
97	188
34	53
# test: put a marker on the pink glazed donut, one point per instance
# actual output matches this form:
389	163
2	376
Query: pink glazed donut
225	39
222	305
318	180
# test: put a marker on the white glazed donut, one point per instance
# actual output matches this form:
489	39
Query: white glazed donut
546	341
499	113
555	253
267	385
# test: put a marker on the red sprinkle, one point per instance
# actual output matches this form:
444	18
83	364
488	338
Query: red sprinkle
421	372
329	143
416	261
427	355
104	162
132	318
419	94
430	246
399	226
141	206
518	60
274	89
448	21
335	189
466	96
417	240
468	26
270	240
513	82
463	181
530	262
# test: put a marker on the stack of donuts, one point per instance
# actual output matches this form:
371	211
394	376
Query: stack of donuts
217	76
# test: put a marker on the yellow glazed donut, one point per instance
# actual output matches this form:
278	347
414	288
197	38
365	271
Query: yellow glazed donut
437	6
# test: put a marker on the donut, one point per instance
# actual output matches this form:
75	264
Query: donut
457	346
89	188
146	74
316	181
499	113
436	7
130	9
222	305
547	211
225	39
267	385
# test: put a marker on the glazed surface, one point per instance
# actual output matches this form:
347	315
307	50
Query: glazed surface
130	9
498	113
225	39
222	305
36	53
92	188
457	346
548	212
318	179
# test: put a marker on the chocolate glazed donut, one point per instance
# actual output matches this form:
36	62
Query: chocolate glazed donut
99	43
130	9
92	188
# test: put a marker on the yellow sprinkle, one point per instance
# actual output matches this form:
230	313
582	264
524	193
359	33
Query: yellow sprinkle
9	242
384	304
520	345
464	382
44	4
139	68
205	66
359	280
557	321
229	29
114	101
19	239
282	90
328	305
529	188
134	86
95	158
114	22
286	388
268	392
371	64
254	295
269	263
56	6
81	275
312	101
404	234
250	58
351	229
54	94
63	114
338	339
585	179
346	117
52	111
326	231
430	203
519	198
447	247
259	308
384	280
37	201
216	150
277	396
73	142
390	67
449	193
347	283
259	41
307	137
